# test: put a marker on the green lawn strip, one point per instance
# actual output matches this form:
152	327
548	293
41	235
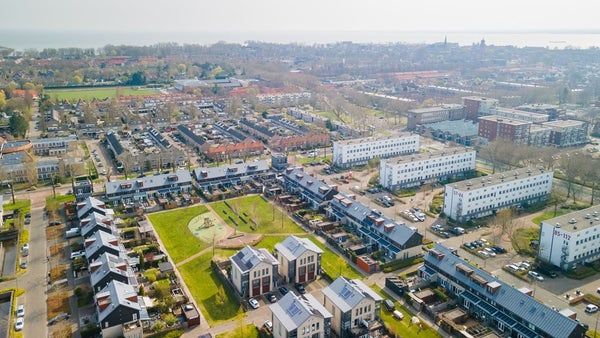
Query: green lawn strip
60	199
97	93
172	228
208	290
246	331
521	240
404	327
549	214
270	219
23	205
334	263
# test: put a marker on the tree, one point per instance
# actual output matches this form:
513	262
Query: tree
31	173
77	79
505	222
2	99
137	79
18	125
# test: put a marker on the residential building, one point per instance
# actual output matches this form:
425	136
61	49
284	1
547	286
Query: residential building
23	167
299	259
1	211
310	189
253	271
568	133
109	267
92	205
440	113
232	174
572	239
53	146
539	135
352	304
83	188
476	106
521	115
395	240
484	196
359	151
97	222
117	307
493	127
464	132
551	110
303	141
511	312
300	316
228	150
191	138
279	161
100	243
418	169
149	186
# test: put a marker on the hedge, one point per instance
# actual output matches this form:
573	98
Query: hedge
401	263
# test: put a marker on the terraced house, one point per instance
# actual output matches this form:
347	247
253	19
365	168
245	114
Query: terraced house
310	189
299	259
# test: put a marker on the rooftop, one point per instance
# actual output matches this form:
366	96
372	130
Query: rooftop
148	182
463	128
346	294
497	178
577	220
505	120
116	294
564	123
248	258
426	156
373	139
293	310
293	247
436	108
209	173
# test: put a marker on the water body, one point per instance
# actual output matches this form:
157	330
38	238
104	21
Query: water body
21	40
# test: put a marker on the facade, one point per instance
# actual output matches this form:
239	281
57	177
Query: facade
230	175
568	133
300	316
509	311
476	106
146	187
539	135
21	167
570	240
394	239
253	271
299	259
53	146
494	127
352	304
414	170
117	307
484	196
91	205
542	108
310	189
359	151
303	141
521	115
441	113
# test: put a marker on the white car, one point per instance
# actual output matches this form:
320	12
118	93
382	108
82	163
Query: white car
21	311
253	303
483	253
490	252
269	325
535	276
19	323
76	254
591	308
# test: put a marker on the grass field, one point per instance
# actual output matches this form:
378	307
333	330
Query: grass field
521	240
24	206
269	219
549	214
335	264
207	289
172	227
97	93
247	331
404	327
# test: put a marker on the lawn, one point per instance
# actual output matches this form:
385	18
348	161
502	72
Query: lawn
269	219
97	93
208	290
172	228
24	206
404	327
247	331
521	240
548	215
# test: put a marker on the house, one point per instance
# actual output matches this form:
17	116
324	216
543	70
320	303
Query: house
230	175
101	242
353	305
253	271
83	188
117	306
300	316
149	186
510	311
310	189
394	239
97	222
109	267
299	259
92	205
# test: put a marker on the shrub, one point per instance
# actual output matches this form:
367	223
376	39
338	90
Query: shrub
401	263
159	325
170	319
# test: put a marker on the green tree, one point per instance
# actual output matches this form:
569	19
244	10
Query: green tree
137	79
18	125
170	319
77	78
2	99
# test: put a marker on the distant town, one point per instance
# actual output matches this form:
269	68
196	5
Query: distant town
287	190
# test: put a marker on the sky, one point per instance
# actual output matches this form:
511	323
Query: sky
300	15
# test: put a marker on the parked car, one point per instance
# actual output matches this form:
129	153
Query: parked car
301	289
535	276
512	267
591	308
272	298
253	303
398	315
76	254
20	322
547	273
458	231
21	311
483	253
389	305
25	249
490	252
498	249
23	264
283	290
269	325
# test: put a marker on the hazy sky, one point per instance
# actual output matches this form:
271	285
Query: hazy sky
278	15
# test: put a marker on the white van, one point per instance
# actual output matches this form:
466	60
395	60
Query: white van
591	308
399	316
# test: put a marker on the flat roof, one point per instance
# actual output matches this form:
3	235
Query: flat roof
503	119
577	220
564	123
425	156
497	178
463	128
373	139
436	108
520	112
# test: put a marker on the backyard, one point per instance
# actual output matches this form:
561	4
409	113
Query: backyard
239	213
246	331
97	93
172	228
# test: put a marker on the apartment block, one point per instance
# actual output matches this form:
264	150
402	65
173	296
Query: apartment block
359	151
440	113
299	259
567	133
570	240
484	196
495	127
149	186
476	106
516	114
253	271
53	146
418	169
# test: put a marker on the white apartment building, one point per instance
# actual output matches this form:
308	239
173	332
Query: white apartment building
418	169
302	316
572	239
483	196
253	271
519	115
347	153
352	304
299	259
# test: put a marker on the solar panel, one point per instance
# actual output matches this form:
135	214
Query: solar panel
345	293
293	309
